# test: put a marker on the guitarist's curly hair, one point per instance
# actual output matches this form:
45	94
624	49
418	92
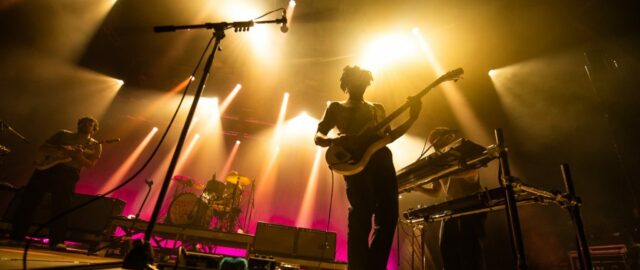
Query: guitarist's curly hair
89	119
354	75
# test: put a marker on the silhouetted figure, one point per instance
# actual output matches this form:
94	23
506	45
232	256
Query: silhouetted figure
61	158
373	192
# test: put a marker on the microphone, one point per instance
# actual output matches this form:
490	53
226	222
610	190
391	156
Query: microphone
284	21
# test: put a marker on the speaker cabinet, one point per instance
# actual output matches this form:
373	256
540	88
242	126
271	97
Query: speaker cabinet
93	218
280	240
315	244
274	239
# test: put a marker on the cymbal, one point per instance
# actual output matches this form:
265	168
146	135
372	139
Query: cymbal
197	186
181	178
187	181
234	179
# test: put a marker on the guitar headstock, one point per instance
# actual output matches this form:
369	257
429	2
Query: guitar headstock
453	75
112	140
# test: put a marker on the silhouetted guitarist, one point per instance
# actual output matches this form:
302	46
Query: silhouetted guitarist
80	150
373	191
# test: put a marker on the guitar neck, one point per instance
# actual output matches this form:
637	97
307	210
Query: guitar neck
387	120
451	75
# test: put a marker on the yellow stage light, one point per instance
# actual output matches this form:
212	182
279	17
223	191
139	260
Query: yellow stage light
126	166
492	72
460	106
232	156
305	214
387	50
227	101
303	124
184	157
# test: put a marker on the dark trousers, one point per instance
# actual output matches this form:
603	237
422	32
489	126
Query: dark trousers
461	242
60	181
372	193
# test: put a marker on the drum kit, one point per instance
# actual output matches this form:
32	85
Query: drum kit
217	207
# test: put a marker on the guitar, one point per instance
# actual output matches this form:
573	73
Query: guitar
351	159
45	161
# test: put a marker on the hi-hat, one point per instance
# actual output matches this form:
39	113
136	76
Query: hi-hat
235	178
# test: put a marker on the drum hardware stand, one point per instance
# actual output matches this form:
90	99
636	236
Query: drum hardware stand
141	256
227	222
232	215
250	206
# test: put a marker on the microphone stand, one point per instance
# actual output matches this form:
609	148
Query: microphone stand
149	183
128	232
141	255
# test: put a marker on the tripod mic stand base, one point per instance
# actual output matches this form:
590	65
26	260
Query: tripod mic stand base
140	256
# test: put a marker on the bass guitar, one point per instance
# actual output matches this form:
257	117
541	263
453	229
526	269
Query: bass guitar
45	161
351	159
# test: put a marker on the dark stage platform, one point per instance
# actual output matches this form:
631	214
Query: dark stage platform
165	240
11	258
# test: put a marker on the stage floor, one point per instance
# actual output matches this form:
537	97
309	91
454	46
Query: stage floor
11	258
40	257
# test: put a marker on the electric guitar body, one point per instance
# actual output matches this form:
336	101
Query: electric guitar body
352	157
45	161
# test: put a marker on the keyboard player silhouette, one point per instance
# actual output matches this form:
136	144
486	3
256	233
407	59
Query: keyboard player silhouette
460	238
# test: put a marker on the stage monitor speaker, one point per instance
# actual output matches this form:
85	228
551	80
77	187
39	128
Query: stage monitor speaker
274	239
316	244
93	218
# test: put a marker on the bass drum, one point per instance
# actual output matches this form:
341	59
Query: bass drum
183	211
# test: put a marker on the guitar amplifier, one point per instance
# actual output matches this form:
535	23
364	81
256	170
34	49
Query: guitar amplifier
93	218
286	241
315	244
274	239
